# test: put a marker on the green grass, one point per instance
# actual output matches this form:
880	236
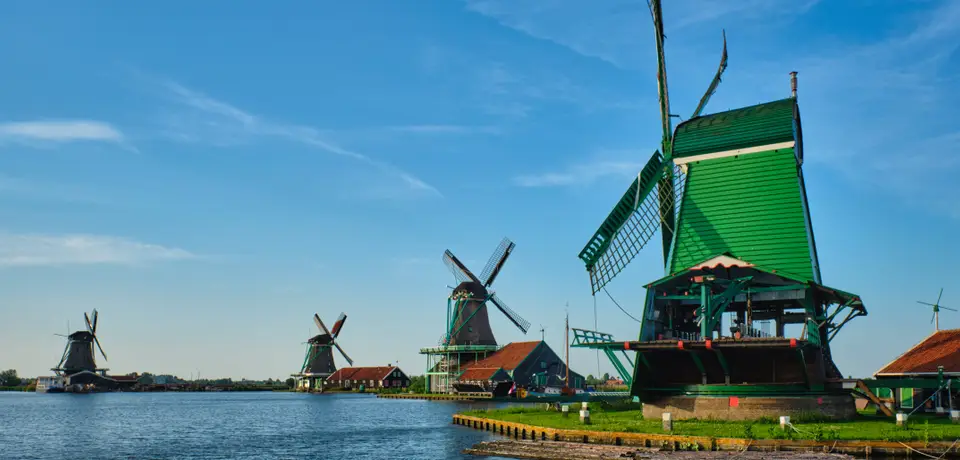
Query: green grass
628	418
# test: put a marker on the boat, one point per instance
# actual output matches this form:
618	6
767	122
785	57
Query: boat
50	384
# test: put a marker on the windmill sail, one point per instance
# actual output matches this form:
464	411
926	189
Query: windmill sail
497	259
468	321
646	207
716	81
338	325
460	272
516	319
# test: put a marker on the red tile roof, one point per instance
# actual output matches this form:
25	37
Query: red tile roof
362	373
478	373
508	357
942	348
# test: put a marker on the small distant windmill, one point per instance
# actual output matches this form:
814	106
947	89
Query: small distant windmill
78	355
467	320
318	363
936	310
319	357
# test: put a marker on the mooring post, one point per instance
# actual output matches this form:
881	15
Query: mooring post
667	421
784	422
585	413
901	419
565	410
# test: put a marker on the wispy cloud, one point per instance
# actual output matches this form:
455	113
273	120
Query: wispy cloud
581	174
608	29
60	131
18	250
230	123
869	102
505	91
897	101
444	129
46	190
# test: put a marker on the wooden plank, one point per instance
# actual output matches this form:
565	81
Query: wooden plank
873	398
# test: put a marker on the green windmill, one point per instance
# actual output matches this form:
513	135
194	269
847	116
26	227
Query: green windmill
726	193
936	310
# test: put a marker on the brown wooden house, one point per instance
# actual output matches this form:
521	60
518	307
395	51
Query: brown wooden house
369	377
528	364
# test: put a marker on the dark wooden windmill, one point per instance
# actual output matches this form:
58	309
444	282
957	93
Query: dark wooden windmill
78	355
318	363
467	320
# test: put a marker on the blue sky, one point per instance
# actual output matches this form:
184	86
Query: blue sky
209	177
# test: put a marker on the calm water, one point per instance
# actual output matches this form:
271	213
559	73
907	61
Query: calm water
229	425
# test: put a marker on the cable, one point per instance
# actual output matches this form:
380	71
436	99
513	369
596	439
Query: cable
595	327
617	304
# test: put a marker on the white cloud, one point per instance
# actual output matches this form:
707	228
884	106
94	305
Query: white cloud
60	131
18	250
230	124
579	174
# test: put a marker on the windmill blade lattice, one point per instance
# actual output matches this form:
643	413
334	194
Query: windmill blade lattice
320	325
515	318
349	361
716	81
642	211
497	259
460	272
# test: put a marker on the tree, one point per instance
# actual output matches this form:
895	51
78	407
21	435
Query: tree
290	382
9	378
418	384
606	377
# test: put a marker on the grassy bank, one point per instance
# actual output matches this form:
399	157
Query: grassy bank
627	418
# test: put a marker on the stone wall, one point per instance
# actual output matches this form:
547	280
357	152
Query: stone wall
836	407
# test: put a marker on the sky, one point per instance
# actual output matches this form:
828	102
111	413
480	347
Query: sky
209	176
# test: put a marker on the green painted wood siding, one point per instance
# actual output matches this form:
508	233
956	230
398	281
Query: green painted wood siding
749	206
762	124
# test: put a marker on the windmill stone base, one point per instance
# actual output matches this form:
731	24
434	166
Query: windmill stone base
833	407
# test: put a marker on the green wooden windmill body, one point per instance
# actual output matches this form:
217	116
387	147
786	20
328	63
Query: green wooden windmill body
729	201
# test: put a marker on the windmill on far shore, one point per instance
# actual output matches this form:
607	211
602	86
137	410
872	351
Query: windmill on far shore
318	363
936	310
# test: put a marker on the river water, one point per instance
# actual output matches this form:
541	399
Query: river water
229	425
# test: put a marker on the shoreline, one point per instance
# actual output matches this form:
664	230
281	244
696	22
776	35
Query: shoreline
858	448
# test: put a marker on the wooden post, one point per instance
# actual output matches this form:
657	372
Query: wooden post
667	421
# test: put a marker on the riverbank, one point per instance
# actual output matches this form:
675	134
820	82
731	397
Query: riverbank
626	417
544	436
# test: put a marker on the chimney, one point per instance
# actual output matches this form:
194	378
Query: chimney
793	84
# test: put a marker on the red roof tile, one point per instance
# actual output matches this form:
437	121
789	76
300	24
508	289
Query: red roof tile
508	357
362	373
942	348
478	373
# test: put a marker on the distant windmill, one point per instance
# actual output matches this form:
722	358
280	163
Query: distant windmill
78	355
468	321
318	363
936	310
